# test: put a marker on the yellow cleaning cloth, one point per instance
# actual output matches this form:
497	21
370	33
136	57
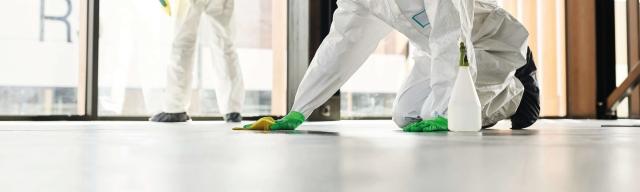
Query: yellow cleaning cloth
167	7
263	124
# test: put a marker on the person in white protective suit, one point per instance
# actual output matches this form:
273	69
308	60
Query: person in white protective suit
229	82
497	49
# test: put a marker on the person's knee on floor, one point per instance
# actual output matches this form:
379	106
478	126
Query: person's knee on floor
402	120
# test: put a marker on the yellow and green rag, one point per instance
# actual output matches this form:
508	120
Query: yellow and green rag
263	124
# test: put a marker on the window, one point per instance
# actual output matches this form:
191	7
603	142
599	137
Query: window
135	46
41	55
622	65
545	20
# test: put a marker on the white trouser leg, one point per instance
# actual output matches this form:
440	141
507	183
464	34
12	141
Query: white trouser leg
414	91
229	81
180	69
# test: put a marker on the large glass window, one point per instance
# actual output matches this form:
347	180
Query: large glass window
135	47
40	57
545	20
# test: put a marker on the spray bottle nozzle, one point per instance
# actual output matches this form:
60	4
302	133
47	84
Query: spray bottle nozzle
464	62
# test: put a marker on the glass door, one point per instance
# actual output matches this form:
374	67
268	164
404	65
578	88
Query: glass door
41	55
136	40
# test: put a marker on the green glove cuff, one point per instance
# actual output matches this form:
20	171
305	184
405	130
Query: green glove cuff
289	122
294	115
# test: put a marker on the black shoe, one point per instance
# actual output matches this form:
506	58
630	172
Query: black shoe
233	118
170	117
529	110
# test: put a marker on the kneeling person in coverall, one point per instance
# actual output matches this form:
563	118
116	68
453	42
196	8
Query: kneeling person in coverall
500	61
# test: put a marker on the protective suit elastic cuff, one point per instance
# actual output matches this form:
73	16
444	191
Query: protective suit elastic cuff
296	115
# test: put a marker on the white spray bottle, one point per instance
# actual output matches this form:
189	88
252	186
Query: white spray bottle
464	112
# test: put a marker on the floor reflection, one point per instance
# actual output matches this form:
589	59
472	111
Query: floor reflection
299	132
522	132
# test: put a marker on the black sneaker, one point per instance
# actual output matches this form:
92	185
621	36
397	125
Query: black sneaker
233	117
170	117
529	110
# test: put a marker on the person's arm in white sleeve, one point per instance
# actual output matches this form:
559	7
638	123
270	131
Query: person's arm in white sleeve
354	35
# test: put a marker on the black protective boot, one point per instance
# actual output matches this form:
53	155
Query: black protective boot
170	117
233	117
529	110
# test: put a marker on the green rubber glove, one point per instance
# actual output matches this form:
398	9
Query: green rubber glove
432	125
289	122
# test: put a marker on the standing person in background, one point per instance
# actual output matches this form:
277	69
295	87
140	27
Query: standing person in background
229	83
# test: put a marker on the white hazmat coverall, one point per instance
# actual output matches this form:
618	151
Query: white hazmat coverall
496	44
229	82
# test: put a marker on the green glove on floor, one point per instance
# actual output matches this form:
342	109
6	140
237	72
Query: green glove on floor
289	122
432	125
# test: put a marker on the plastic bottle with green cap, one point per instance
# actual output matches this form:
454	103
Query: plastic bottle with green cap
464	105
464	111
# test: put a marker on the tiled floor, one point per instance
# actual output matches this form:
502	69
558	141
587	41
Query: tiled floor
556	155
